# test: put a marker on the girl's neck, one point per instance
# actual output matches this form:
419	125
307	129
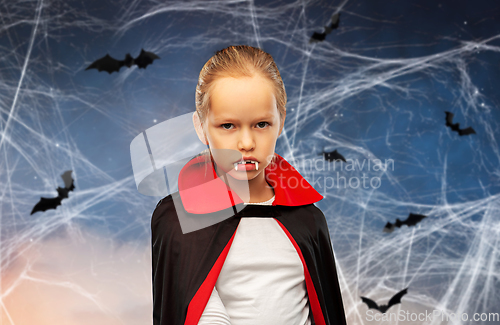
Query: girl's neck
261	193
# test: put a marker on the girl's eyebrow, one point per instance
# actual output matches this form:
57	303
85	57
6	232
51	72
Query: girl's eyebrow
220	119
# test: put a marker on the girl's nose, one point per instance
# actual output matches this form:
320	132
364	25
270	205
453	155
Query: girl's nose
246	141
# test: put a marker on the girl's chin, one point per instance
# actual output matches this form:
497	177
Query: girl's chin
242	175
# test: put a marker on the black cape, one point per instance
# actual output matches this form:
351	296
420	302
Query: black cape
186	265
183	262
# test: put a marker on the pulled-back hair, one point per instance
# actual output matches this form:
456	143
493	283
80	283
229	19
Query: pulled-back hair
238	61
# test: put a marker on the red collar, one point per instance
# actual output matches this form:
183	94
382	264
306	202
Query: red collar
202	191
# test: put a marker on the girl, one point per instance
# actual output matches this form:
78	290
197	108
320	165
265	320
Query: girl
271	260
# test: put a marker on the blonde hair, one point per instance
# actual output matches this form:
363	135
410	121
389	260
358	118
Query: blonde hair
238	61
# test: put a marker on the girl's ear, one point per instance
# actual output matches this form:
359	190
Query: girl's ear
282	124
199	128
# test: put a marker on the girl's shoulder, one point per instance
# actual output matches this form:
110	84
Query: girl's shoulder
309	209
308	214
164	214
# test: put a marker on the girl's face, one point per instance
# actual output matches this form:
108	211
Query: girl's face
243	123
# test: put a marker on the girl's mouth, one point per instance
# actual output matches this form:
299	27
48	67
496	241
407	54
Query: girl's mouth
246	165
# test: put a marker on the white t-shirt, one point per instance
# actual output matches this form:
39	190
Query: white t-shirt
262	279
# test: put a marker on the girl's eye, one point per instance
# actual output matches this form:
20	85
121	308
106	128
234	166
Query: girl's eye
262	124
226	126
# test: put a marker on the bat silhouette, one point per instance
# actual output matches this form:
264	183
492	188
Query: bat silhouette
109	64
455	127
52	203
412	220
334	24
396	299
333	155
